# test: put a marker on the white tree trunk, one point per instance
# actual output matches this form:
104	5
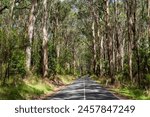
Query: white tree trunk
94	47
12	2
30	35
45	40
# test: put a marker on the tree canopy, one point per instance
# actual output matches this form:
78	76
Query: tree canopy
106	38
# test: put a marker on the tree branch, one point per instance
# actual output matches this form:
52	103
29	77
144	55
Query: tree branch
2	9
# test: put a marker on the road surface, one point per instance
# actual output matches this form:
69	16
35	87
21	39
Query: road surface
83	89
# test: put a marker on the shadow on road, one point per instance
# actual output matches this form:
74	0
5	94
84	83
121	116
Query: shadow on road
83	89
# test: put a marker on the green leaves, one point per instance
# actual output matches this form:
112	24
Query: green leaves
18	63
4	2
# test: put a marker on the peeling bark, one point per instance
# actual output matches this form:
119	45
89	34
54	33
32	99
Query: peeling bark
31	24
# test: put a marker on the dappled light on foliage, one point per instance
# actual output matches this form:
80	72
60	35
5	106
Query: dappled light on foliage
109	40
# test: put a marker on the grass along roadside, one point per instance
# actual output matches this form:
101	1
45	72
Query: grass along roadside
33	87
133	93
124	92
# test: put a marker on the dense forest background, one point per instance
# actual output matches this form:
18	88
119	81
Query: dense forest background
106	38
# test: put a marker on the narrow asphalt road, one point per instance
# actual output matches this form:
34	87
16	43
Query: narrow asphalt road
83	89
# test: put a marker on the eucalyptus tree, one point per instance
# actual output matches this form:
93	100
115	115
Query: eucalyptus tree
31	26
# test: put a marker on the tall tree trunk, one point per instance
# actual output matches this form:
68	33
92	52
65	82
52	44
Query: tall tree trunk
148	36
118	56
107	33
57	43
135	42
31	24
122	53
109	41
12	7
74	58
94	34
148	21
131	34
102	54
45	40
100	39
94	47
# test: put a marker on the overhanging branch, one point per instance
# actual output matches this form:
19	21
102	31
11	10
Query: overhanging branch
2	9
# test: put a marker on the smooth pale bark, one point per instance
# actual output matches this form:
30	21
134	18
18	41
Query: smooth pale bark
101	55
45	40
94	47
12	7
58	53
74	59
31	24
95	35
57	42
122	53
98	38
